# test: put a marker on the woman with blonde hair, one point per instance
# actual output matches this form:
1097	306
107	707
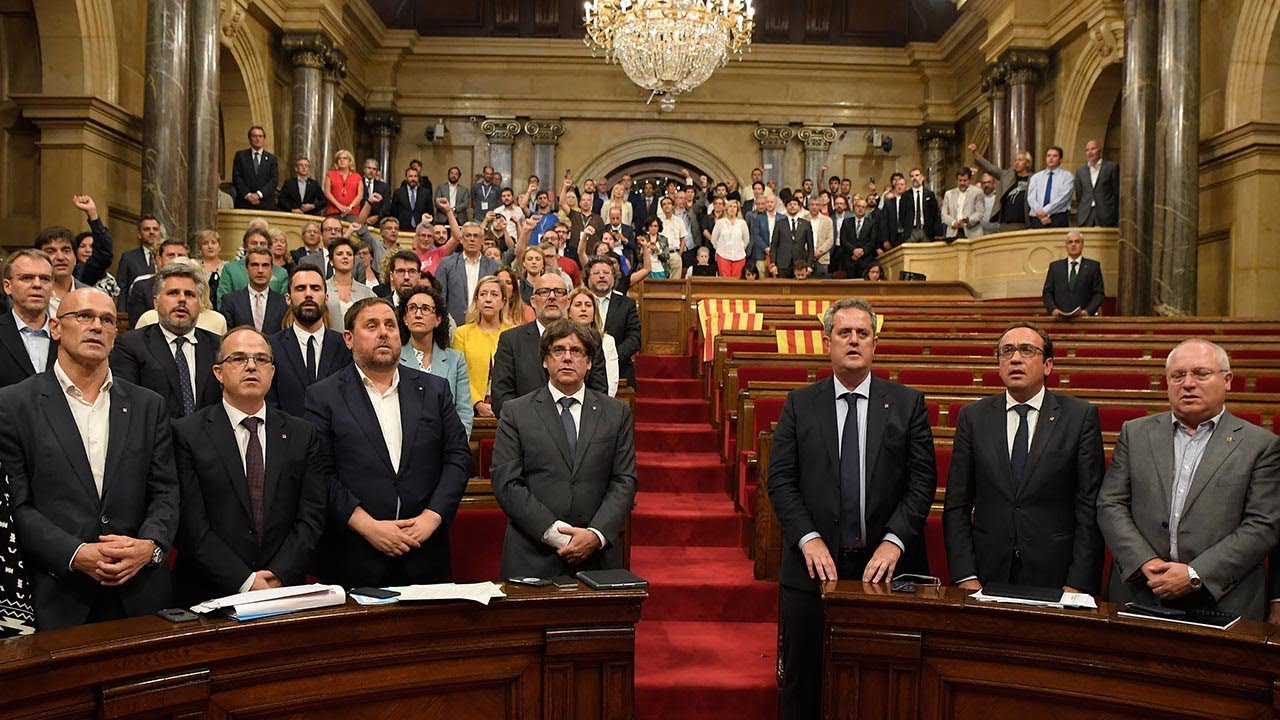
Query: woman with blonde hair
280	255
477	339
617	199
514	311
532	266
731	239
208	319
343	188
209	245
583	309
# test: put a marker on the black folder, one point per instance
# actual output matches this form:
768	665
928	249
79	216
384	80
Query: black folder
1022	592
612	579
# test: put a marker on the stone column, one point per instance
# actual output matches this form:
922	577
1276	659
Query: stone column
307	53
333	73
165	119
384	125
1140	102
502	134
1177	216
204	112
993	84
545	135
817	147
936	139
773	141
1024	68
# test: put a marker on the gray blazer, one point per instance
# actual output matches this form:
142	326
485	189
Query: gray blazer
449	364
536	482
1098	203
1230	521
359	291
452	276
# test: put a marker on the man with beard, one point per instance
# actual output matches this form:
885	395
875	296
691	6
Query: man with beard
142	292
395	456
454	195
618	316
307	352
403	273
172	358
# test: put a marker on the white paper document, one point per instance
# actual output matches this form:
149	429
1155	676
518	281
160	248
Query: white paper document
1069	600
275	601
481	592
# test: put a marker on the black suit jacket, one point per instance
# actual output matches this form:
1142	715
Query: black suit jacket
238	311
623	323
318	260
245	180
785	247
1087	293
142	357
140	297
434	464
383	189
217	546
1098	204
517	366
133	264
56	506
804	471
892	221
1051	521
289	388
932	215
868	239
290	200
15	363
409	215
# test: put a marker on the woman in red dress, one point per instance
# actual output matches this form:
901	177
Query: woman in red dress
343	188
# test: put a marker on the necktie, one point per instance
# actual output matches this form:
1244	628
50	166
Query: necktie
919	209
850	477
1071	277
184	378
413	197
311	359
257	160
793	226
570	429
857	227
1048	190
1018	458
254	473
257	311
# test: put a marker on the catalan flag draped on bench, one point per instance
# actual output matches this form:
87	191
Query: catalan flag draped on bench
723	306
812	307
717	314
799	342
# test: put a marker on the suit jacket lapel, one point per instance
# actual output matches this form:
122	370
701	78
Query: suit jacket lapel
277	440
58	415
589	418
13	343
825	411
222	437
329	351
160	349
995	417
551	421
411	404
291	355
878	409
117	434
1048	420
357	399
1221	445
1160	440
204	359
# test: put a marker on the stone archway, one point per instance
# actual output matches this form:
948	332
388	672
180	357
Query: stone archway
1092	90
1247	72
247	71
682	152
78	48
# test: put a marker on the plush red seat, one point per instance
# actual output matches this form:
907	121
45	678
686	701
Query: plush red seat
736	346
1112	418
475	544
881	373
1255	354
935	411
982	351
766	413
936	376
1109	352
486	456
953	411
1180	331
755	373
942	458
937	549
1275	423
1110	380
827	372
1250	417
899	349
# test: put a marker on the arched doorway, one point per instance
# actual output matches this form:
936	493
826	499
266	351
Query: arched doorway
657	156
657	170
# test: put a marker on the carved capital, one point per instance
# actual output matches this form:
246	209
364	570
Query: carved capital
500	130
993	80
1108	37
817	138
1024	66
544	132
335	65
382	123
306	49
937	136
774	137
232	19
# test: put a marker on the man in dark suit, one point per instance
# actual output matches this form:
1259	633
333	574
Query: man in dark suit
94	519
396	457
1026	464
377	194
138	261
26	337
894	224
851	478
313	252
142	292
306	352
302	195
257	305
454	273
410	202
620	318
762	225
253	495
1097	189
255	173
1073	286
615	226
456	195
859	240
150	356
921	214
403	273
516	368
792	240
564	466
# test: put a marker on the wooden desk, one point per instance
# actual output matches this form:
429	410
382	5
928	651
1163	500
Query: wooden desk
938	654
536	654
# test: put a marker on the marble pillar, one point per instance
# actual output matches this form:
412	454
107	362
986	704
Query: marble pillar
383	125
1177	206
307	52
817	147
1139	104
165	119
773	141
993	84
204	113
502	135
332	75
936	139
545	135
1024	68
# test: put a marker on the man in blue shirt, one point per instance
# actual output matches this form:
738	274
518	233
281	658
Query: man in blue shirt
1049	192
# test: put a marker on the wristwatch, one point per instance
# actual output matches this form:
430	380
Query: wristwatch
1193	579
157	554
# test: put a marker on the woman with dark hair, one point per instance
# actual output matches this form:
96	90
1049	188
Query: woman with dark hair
84	251
343	289
874	273
425	345
514	310
663	263
749	272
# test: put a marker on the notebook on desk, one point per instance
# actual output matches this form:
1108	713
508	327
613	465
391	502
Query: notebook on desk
1213	619
1022	592
612	579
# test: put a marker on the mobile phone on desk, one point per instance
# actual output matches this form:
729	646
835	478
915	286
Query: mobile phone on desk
375	593
177	615
530	581
902	586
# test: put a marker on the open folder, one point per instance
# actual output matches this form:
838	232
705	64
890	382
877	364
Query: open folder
275	601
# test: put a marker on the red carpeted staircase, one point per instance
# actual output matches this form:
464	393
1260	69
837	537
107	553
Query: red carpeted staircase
707	644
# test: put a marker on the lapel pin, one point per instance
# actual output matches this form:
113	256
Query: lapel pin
1228	438
886	406
284	436
124	409
1051	418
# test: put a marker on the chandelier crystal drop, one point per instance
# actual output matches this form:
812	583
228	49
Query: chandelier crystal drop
669	46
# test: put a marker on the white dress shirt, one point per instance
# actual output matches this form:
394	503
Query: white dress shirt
303	336
93	421
386	406
242	442
258	307
602	308
552	536
188	352
36	341
473	273
1011	418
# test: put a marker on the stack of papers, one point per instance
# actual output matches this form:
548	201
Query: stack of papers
481	592
1068	600
276	601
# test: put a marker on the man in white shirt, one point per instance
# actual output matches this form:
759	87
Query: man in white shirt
457	197
1049	193
509	209
962	208
26	340
306	352
823	236
459	273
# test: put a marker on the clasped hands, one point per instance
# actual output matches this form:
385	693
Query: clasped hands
1168	580
114	559
395	537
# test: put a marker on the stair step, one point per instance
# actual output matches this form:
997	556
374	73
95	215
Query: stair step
672	411
703	584
706	670
681	472
685	519
663	366
669	388
674	437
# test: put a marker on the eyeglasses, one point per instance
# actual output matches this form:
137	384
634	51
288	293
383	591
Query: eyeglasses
573	351
85	318
548	292
241	360
1025	350
406	271
419	309
1200	374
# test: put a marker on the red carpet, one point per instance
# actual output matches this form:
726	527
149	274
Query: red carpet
707	644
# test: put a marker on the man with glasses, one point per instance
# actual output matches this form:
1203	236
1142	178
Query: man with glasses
91	477
306	352
1190	506
1026	465
459	273
564	466
27	346
404	273
255	173
517	365
1073	285
173	358
253	491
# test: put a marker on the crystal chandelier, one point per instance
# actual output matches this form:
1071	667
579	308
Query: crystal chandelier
669	46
